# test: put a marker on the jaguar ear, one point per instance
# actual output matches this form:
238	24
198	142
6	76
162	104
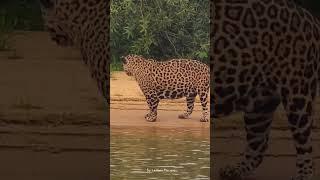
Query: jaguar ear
123	59
47	4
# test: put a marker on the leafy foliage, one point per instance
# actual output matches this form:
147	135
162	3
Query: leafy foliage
5	30
160	29
18	15
154	28
21	14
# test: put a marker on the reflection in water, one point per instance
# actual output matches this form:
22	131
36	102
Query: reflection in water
153	153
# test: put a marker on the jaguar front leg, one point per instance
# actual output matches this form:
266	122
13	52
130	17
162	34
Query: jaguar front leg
153	102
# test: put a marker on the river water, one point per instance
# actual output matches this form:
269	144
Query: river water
155	153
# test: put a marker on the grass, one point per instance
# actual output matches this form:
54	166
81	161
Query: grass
6	30
116	66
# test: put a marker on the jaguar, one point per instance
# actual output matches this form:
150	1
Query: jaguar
265	53
171	79
83	24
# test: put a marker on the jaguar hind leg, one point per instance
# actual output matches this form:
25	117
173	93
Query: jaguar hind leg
258	118
190	106
204	102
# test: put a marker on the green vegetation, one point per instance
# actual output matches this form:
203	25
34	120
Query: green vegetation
160	29
115	65
4	35
18	15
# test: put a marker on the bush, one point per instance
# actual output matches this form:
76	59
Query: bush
18	15
160	29
21	14
5	30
